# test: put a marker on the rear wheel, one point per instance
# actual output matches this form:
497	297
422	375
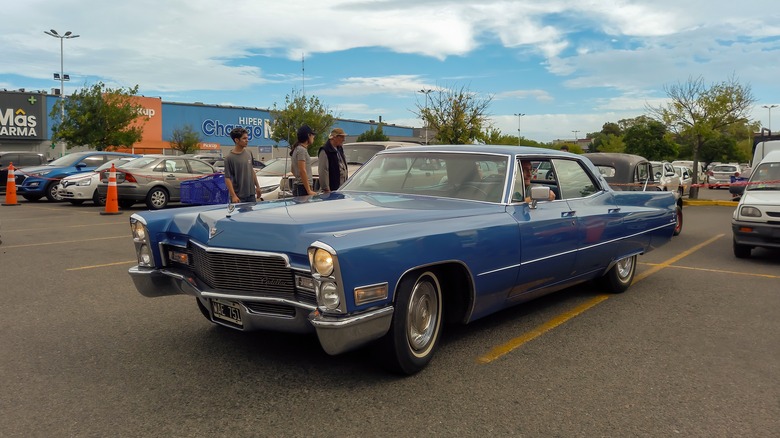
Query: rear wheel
156	199
741	251
414	333
678	221
620	276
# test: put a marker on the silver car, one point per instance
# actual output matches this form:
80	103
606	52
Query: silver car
154	179
720	175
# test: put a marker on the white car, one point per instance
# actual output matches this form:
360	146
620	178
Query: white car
667	178
271	175
686	179
755	221
83	186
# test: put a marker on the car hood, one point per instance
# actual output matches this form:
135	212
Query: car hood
36	169
761	197
291	225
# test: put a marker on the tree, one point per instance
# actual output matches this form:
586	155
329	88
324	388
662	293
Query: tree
647	138
185	140
373	135
697	112
301	110
98	117
458	116
611	143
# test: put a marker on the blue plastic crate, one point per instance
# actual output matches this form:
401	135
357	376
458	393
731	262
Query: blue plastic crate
207	190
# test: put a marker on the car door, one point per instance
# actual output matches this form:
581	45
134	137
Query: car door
548	239
174	171
598	217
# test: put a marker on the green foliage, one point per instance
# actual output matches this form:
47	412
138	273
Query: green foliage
98	117
301	110
699	114
373	135
458	116
494	136
610	143
647	138
185	139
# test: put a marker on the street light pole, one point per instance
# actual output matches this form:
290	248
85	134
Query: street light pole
575	136
426	92
62	38
518	126
769	107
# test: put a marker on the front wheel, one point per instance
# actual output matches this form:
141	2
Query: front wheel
414	332
52	193
678	221
31	198
741	251
620	276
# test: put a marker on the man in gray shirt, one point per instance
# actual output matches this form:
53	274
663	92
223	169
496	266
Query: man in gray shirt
301	163
240	177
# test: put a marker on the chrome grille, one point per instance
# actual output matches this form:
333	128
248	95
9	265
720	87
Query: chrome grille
256	275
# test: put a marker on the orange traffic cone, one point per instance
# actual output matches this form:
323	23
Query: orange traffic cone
112	201
10	187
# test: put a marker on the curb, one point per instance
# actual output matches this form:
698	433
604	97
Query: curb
710	202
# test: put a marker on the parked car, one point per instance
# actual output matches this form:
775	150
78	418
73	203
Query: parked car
414	239
737	183
277	169
686	179
21	160
628	172
756	221
356	154
702	177
720	175
154	179
664	174
83	186
39	181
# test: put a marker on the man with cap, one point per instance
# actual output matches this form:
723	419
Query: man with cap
332	162
301	163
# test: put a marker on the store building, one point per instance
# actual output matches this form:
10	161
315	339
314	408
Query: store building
25	125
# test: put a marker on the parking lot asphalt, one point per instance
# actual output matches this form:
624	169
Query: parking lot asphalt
690	349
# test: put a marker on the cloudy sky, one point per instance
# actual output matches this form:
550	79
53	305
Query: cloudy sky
567	65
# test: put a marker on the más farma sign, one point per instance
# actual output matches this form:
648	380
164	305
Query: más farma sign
21	116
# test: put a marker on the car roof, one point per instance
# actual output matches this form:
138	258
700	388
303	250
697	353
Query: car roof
771	157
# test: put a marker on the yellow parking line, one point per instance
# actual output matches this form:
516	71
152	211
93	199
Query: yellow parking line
513	344
102	266
719	271
124	236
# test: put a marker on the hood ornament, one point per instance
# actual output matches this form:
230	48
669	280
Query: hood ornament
212	232
230	208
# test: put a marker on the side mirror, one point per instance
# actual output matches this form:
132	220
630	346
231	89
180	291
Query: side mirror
80	165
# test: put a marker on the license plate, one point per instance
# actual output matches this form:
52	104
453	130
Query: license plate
226	311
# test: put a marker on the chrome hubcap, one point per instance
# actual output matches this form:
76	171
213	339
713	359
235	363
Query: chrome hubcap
422	316
624	267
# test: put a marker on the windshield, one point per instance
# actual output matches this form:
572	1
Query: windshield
477	177
765	177
67	160
361	154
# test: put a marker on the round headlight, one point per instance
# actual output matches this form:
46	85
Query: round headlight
329	296
144	255
139	232
323	262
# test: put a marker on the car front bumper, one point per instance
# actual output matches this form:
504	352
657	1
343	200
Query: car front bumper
336	334
756	234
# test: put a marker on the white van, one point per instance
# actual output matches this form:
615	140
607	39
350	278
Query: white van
762	150
755	221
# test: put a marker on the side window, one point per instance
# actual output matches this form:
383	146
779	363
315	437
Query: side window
642	172
9	158
176	166
200	167
574	180
30	160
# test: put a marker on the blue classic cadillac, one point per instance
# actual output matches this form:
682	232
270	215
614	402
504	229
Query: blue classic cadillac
417	237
